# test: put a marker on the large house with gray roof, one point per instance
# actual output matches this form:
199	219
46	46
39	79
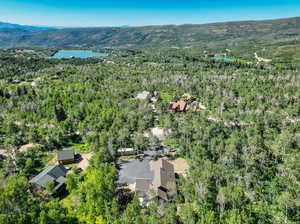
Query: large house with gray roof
55	174
161	186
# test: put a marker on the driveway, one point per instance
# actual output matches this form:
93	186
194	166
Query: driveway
130	170
133	169
84	163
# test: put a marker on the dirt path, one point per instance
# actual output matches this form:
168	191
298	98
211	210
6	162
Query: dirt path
27	147
157	132
84	163
260	59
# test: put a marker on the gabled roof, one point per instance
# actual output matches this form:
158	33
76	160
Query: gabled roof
179	106
163	182
65	154
51	173
60	181
164	175
142	184
162	194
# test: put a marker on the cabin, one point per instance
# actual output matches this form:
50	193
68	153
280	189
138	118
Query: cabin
162	186
55	174
66	156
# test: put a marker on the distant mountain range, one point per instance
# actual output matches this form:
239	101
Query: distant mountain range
4	25
14	35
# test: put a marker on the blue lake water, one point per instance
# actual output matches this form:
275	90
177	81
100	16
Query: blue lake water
223	59
77	54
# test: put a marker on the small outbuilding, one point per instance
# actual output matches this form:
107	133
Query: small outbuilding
66	156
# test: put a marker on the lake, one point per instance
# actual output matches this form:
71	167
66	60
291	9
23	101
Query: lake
223	59
77	54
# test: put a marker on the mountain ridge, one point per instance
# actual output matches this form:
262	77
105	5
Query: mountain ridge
129	26
153	36
6	25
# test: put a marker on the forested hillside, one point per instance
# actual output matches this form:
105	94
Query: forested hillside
242	147
229	34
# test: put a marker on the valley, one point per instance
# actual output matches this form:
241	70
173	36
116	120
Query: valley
191	124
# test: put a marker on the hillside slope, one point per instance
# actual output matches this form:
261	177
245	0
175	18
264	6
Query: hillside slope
152	36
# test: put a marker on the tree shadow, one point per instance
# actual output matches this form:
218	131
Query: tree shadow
124	196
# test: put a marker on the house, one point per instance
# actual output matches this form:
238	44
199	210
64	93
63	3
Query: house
66	156
186	103
55	174
162	186
178	106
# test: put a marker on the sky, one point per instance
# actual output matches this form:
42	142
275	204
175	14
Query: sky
83	13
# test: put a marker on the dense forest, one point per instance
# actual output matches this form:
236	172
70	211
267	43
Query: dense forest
242	148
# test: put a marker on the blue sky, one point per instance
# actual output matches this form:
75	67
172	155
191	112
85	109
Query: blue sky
141	12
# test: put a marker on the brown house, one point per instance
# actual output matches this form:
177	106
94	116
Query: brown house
66	156
178	106
183	104
162	186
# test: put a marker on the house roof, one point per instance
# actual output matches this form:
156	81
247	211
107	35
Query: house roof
164	175
162	194
178	105
65	154
60	181
163	181
142	184
51	173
